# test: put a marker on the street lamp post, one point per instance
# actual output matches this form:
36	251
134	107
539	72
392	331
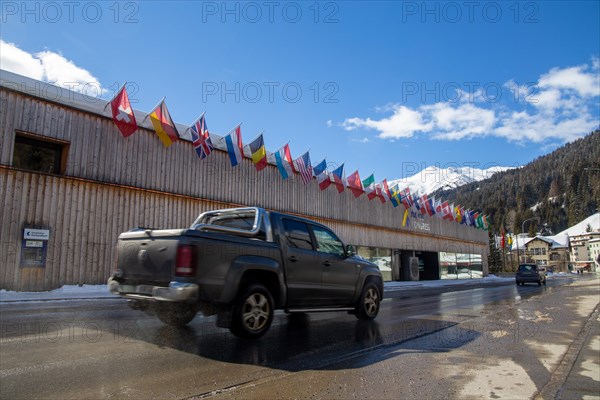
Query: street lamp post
523	231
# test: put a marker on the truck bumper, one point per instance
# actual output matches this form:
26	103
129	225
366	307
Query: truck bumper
176	291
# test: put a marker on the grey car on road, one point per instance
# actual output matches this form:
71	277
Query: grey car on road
530	273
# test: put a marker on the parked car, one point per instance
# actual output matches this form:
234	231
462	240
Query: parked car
241	264
531	273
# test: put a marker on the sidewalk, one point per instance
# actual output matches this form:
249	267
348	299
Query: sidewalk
87	292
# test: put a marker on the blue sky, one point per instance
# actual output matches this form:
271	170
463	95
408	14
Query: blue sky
386	87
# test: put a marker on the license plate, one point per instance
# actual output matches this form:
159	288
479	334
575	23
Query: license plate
144	289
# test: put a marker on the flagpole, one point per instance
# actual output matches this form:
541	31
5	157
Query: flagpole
154	108
257	136
194	123
229	132
111	100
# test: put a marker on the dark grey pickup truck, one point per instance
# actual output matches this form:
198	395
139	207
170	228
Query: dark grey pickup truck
241	264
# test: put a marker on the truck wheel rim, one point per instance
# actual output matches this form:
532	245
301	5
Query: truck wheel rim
256	312
371	301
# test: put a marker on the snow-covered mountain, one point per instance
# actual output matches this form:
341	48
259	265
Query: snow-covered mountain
593	221
433	178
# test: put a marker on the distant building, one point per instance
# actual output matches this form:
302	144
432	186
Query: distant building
594	252
551	252
584	250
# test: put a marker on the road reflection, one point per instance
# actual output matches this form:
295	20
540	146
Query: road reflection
312	341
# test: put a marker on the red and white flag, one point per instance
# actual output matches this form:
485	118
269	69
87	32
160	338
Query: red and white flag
122	113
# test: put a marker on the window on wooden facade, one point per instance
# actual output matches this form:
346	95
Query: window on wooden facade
35	153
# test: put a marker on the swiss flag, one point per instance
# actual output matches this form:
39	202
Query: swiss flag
122	113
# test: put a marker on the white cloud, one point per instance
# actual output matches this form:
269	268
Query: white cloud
561	106
460	122
47	66
577	79
404	122
20	62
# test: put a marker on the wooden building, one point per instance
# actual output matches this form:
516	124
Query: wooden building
69	176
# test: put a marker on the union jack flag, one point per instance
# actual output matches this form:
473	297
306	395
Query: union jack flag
201	138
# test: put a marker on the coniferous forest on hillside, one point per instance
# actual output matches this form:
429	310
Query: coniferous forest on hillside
559	189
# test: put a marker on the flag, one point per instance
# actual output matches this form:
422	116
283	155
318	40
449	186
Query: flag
235	148
426	205
339	178
416	201
406	198
322	175
379	192
370	187
386	190
394	195
468	216
283	160
355	184
163	124
479	220
259	153
459	214
304	168
201	138
122	113
447	211
437	206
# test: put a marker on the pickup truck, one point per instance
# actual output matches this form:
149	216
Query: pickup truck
241	264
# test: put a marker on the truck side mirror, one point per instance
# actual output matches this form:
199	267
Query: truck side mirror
350	251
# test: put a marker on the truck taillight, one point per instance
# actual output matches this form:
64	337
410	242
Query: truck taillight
184	264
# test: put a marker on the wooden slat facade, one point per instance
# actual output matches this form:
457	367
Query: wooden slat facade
112	184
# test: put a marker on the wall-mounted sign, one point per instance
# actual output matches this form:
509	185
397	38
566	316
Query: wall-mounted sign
34	247
415	221
36	234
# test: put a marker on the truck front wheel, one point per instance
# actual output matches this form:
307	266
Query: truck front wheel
252	312
177	315
369	302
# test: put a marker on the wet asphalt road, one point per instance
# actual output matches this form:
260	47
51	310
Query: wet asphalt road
103	349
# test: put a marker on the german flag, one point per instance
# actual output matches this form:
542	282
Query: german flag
164	125
259	153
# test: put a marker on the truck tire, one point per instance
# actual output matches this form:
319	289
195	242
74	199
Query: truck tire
177	315
369	302
252	313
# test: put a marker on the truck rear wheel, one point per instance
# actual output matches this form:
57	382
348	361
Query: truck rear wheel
369	302
178	315
252	312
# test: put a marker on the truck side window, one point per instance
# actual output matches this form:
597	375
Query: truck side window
297	234
327	242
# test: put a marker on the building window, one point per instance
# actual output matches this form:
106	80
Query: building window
37	153
380	256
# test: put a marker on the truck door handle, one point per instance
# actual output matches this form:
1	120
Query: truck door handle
326	263
293	258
